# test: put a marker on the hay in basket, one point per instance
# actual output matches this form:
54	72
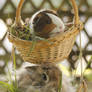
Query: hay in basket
56	49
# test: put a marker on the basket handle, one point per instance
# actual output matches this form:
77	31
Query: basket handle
18	12
75	12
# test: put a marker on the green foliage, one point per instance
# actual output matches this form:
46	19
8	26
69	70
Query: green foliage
22	32
10	86
60	85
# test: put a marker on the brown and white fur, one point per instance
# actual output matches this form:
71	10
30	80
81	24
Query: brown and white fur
46	23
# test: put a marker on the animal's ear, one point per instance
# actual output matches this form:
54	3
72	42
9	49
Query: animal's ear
31	69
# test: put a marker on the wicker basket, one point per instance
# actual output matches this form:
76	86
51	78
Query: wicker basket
57	49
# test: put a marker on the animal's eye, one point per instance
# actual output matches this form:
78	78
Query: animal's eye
44	76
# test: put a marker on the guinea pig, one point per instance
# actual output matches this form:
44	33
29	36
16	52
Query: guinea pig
46	23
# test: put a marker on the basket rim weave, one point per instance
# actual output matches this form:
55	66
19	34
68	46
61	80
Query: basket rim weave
65	34
74	30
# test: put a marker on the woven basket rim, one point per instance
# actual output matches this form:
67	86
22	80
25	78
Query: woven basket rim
70	31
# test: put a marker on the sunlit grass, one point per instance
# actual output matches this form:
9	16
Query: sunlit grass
11	85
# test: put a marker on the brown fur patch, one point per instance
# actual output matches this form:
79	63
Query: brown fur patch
46	30
40	21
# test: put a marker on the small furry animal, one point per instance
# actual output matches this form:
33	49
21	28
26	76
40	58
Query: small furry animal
40	78
45	23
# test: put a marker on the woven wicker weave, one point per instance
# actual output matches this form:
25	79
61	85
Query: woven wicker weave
57	49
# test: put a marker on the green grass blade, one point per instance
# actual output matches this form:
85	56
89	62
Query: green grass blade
14	64
60	85
10	78
32	47
7	86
